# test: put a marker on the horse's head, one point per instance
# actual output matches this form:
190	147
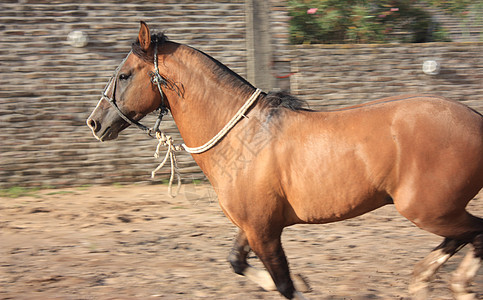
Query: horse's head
131	93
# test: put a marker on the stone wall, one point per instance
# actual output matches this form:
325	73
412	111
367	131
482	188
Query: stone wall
48	88
331	76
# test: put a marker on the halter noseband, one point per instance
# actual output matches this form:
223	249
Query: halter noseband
155	78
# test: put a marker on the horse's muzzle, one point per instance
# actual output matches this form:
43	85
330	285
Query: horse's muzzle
104	133
93	125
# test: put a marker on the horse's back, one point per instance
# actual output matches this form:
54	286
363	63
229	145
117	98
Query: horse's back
429	133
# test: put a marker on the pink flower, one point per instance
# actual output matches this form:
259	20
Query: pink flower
394	9
312	11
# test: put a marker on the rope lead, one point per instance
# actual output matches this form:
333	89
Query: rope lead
167	141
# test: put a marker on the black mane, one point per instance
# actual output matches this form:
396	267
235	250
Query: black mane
285	100
225	73
272	100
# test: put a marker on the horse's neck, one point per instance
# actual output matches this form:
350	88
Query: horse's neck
208	103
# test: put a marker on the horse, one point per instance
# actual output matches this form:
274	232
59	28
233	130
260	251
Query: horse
274	163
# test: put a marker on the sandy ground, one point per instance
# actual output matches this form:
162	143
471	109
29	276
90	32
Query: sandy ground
135	242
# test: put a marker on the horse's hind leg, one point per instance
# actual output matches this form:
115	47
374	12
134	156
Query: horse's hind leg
424	270
238	260
466	272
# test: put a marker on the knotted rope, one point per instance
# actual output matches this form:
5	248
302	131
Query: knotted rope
167	141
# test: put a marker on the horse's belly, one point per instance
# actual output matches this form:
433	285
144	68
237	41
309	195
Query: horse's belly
331	208
329	192
341	180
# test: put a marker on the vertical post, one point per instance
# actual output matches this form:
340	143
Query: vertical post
259	44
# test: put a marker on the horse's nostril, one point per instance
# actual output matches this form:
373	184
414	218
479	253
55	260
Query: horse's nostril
93	124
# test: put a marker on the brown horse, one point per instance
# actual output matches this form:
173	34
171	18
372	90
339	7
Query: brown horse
278	164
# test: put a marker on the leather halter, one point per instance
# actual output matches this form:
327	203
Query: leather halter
155	78
163	110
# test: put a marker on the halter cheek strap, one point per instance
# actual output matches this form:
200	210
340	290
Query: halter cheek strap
112	101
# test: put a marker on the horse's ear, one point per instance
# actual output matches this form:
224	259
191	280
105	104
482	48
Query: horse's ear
144	37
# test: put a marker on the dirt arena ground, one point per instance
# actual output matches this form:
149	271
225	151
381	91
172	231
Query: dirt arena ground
135	242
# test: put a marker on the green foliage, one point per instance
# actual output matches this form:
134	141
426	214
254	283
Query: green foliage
360	21
60	193
16	192
468	11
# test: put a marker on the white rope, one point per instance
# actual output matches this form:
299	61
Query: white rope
240	113
167	141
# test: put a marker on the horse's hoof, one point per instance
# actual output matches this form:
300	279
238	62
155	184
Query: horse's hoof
298	296
419	291
462	292
260	277
466	296
301	283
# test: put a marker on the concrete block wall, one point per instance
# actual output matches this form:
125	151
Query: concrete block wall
331	76
48	88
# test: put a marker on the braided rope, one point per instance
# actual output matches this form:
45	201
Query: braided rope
240	113
167	141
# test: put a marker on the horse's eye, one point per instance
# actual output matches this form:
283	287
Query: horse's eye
124	76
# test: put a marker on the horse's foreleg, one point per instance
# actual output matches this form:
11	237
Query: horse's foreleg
238	260
424	270
467	270
239	252
268	248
